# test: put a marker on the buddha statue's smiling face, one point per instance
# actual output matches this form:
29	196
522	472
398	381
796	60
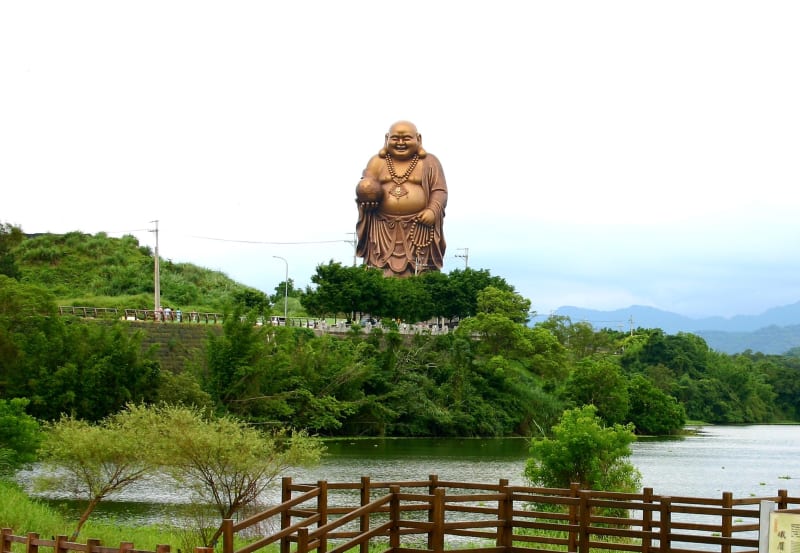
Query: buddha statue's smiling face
402	141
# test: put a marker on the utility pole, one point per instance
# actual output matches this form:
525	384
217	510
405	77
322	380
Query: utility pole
157	276
419	266
354	242
465	255
285	291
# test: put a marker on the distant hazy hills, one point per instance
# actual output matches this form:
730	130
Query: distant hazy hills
775	331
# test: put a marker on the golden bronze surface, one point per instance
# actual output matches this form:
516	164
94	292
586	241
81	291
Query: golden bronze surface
401	199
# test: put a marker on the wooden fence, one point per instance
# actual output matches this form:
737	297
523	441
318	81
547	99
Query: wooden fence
432	515
60	544
429	515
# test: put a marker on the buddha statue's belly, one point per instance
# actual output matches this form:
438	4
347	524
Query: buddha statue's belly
404	199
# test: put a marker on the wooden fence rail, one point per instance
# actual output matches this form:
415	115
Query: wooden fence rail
32	543
429	515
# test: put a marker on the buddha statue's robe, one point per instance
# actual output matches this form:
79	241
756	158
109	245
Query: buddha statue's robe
390	237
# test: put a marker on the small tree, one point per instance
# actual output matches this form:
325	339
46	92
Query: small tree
223	461
583	451
94	461
19	435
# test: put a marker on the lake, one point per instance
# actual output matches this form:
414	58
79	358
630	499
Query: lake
753	460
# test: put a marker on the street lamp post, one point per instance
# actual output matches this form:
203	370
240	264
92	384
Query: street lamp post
285	291
156	278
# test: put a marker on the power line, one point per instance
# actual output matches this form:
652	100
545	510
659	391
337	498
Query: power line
271	243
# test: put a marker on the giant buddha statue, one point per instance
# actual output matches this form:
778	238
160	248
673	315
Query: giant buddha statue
401	199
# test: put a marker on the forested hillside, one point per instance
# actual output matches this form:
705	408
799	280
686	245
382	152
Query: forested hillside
492	374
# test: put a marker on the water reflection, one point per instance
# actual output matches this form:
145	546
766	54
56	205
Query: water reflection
745	460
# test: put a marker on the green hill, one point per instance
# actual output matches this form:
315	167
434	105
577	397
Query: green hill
99	271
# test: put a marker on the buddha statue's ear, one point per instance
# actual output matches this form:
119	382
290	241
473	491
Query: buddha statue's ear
421	152
385	149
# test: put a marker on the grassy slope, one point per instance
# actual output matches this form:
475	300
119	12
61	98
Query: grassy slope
99	271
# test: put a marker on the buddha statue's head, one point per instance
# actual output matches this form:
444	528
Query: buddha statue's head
403	141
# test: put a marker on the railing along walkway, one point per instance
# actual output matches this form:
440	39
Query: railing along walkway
32	543
429	515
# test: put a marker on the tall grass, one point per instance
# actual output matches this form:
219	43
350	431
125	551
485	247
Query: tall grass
23	515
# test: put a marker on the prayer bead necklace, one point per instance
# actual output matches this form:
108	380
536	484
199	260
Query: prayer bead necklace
406	175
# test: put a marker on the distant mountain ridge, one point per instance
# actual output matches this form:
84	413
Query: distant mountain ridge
774	331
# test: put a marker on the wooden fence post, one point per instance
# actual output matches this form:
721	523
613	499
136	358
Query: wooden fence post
5	537
58	547
286	519
782	502
364	520
302	540
433	484
584	517
92	543
727	520
30	543
227	535
572	537
322	509
436	535
647	519
125	546
665	520
505	517
162	548
394	517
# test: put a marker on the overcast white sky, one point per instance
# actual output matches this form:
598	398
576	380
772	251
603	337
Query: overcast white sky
598	154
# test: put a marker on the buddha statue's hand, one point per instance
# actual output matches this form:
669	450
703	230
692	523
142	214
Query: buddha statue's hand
369	206
427	217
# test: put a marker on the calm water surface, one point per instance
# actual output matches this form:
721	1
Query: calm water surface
753	460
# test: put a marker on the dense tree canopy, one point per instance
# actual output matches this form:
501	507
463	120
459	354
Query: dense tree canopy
484	371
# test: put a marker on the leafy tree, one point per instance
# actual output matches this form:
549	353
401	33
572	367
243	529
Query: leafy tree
731	391
10	237
254	301
580	339
438	291
782	373
599	382
181	389
236	363
652	411
19	435
504	302
98	370
224	462
683	353
406	299
285	288
582	450
338	290
93	461
464	286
